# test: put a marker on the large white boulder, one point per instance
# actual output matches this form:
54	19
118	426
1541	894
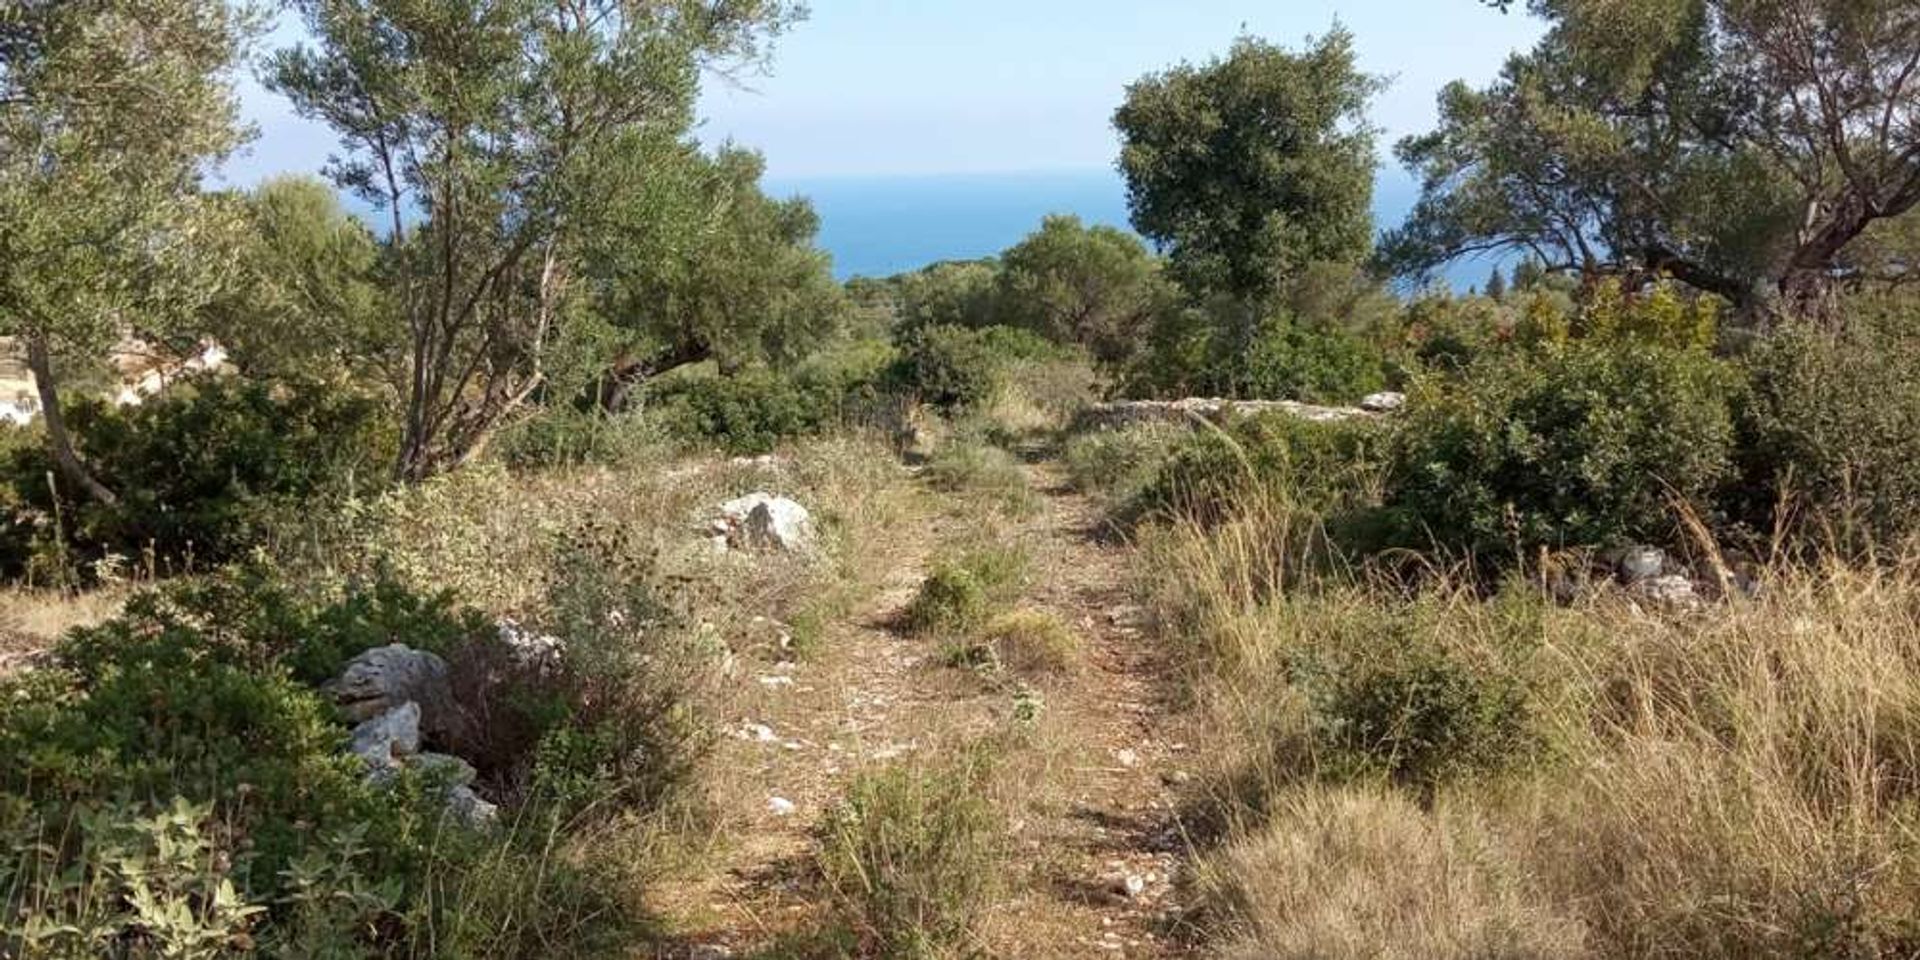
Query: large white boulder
762	521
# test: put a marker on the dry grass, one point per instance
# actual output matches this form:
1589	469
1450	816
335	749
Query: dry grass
32	620
1033	643
1357	872
1735	782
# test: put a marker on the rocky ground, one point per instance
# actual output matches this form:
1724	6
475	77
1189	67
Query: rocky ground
1097	844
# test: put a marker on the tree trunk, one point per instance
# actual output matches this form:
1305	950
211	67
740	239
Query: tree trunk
59	442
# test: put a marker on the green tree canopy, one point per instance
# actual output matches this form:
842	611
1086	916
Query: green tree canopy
110	111
732	275
1098	287
1247	168
308	299
521	131
1739	146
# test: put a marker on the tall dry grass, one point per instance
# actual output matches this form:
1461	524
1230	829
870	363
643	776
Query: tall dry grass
1737	781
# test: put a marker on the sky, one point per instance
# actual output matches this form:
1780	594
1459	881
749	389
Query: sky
885	88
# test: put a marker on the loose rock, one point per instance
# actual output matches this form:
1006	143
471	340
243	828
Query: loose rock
1384	402
762	521
383	678
388	738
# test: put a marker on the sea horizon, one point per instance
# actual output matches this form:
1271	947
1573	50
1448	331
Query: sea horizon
880	225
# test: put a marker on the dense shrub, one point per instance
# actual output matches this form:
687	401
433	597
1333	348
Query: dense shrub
1318	466
913	856
959	368
960	595
971	466
564	435
1117	464
1582	444
209	469
755	410
1288	361
189	733
1415	712
1831	428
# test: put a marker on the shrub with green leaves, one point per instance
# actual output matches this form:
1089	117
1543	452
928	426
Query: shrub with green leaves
969	465
962	594
212	467
1588	443
913	857
1831	429
948	366
179	759
755	410
1317	466
1288	361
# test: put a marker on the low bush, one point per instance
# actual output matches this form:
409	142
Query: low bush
949	367
1031	642
1116	465
913	857
1315	466
1831	431
175	785
1412	710
1288	361
971	466
1586	444
211	468
753	411
960	595
561	436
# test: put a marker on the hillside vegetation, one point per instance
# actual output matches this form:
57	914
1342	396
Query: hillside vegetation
570	566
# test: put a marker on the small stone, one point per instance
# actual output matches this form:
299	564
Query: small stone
709	951
1133	886
1642	563
1178	778
758	733
469	808
383	740
1127	758
1383	402
1675	591
776	681
780	806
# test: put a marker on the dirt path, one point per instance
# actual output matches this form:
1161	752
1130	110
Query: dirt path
1096	843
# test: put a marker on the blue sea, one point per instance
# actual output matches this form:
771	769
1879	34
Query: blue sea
879	226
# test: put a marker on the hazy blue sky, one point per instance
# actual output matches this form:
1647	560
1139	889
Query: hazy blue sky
880	87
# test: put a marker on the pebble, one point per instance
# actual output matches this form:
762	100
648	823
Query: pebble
780	806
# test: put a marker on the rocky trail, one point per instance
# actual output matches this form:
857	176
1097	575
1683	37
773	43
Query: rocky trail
1096	843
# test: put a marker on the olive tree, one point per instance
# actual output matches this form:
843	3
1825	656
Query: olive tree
502	137
110	112
1740	146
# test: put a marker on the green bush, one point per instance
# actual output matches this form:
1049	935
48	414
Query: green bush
212	467
1415	712
951	367
753	411
567	436
1117	464
177	758
1831	428
1316	466
973	466
961	595
913	857
1576	445
1288	361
